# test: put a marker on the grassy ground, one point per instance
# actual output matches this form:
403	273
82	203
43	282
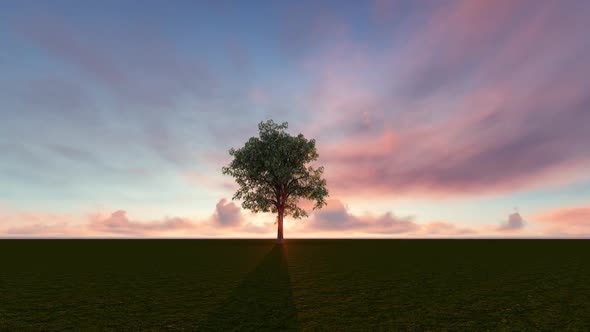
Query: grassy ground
339	285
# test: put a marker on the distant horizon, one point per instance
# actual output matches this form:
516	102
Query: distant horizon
298	238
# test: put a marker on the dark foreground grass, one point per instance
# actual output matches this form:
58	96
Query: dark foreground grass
339	285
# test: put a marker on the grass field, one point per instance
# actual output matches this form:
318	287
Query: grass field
338	285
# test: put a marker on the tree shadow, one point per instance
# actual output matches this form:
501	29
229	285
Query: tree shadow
262	301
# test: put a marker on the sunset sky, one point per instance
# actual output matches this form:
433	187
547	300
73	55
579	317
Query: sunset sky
432	118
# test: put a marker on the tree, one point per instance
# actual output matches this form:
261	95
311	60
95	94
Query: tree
273	173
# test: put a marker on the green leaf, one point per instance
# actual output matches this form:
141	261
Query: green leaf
273	172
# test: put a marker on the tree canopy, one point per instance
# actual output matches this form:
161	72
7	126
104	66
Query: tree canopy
274	171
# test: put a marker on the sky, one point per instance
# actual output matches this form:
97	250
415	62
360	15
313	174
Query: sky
432	118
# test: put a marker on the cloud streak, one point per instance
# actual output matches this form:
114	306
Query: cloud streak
119	223
472	117
335	217
567	221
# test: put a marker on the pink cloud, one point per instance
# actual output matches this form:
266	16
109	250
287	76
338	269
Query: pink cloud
569	221
360	148
495	109
574	216
514	223
335	217
16	223
335	220
46	229
446	228
29	218
228	220
119	223
227	214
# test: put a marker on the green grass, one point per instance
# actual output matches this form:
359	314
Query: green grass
338	285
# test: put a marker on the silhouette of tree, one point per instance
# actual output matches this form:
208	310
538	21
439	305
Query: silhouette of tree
273	173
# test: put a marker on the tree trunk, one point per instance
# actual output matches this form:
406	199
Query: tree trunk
280	228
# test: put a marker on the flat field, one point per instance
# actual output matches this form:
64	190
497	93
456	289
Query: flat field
337	285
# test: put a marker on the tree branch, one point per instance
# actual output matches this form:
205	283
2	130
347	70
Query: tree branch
293	181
